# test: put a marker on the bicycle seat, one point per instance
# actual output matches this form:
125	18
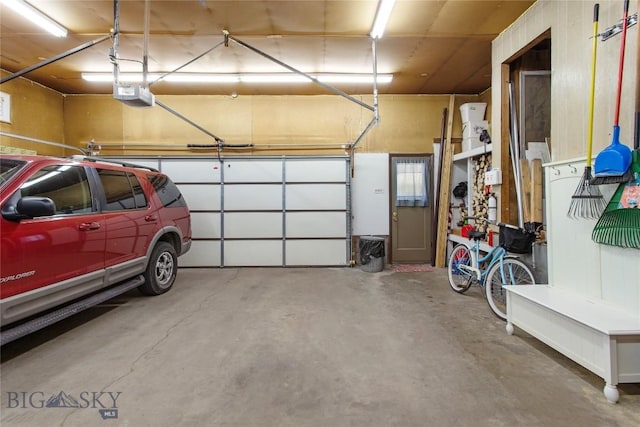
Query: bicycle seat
477	235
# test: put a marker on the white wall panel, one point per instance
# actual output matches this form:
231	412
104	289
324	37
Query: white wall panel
201	197
203	253
316	224
252	225
316	170
205	225
252	197
316	196
192	170
253	171
316	252
239	253
370	194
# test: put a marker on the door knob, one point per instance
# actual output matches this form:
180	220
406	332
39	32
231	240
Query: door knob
395	216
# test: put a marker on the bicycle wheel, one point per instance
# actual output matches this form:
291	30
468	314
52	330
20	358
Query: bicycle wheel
459	280
511	271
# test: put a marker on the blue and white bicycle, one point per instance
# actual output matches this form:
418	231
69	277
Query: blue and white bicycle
491	272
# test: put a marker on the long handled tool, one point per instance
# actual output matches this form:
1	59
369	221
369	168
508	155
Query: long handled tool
587	201
619	225
612	164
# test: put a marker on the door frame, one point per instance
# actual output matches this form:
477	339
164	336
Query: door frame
430	160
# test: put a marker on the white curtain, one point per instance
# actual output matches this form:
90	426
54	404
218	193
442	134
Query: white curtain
411	182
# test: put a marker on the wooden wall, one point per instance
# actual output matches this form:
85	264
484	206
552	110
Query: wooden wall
36	112
408	123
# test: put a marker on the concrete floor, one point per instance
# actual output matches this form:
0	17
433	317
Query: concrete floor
300	347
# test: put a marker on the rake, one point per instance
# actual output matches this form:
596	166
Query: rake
587	201
618	226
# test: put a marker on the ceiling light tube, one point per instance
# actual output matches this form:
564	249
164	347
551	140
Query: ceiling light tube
382	16
128	77
353	78
201	78
274	78
36	16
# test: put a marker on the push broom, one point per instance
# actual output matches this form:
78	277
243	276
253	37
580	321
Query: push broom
612	163
587	201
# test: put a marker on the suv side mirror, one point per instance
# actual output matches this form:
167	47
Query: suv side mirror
30	207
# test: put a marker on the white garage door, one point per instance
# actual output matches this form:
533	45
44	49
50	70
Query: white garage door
263	211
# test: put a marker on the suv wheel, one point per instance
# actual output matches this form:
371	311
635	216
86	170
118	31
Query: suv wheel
161	271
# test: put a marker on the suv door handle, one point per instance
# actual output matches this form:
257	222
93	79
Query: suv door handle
86	226
150	218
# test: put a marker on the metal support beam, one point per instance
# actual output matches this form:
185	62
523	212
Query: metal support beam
42	141
191	122
295	70
55	58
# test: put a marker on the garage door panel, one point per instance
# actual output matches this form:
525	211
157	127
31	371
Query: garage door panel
252	253
201	197
316	252
252	197
205	225
253	171
252	224
203	253
316	197
316	171
200	170
316	224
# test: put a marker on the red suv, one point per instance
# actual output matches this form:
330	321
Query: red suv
71	227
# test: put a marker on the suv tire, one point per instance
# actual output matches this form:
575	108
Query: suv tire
161	271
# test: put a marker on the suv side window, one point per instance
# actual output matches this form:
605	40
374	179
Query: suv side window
66	185
168	192
122	190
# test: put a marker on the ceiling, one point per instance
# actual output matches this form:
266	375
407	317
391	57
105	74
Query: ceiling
430	46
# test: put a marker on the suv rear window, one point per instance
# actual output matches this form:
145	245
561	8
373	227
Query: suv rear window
66	185
168	192
122	190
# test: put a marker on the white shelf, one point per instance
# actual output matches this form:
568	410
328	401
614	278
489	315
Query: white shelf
478	151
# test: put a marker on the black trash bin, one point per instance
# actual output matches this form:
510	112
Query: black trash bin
371	253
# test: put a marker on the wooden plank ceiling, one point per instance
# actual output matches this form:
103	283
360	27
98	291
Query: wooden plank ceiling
430	46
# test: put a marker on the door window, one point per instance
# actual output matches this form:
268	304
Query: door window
411	182
66	185
122	190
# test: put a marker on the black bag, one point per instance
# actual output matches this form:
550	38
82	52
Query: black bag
515	239
460	190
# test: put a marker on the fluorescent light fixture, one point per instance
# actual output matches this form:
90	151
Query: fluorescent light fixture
382	16
36	16
237	78
273	78
353	78
199	78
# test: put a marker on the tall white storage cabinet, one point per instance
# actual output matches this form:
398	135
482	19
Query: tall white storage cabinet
264	211
590	310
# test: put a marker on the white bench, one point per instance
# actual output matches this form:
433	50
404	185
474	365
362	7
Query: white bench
603	339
